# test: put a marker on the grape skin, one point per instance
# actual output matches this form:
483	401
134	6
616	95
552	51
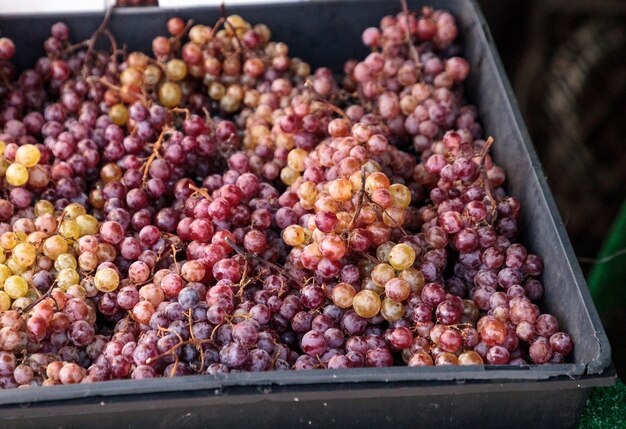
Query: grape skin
290	236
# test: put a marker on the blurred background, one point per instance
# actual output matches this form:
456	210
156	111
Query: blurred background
566	62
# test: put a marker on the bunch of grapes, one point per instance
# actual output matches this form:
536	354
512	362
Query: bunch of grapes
220	207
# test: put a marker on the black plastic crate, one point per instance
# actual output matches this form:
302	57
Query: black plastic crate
327	33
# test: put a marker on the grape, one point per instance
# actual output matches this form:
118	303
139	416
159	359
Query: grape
27	155
540	351
470	358
366	304
420	359
16	174
234	355
15	287
401	257
493	332
290	236
7	48
106	280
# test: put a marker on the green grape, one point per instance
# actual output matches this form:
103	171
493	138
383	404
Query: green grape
17	174
73	210
366	303
15	287
15	267
5	273
76	291
118	114
401	256
294	235
87	224
170	94
288	175
66	278
70	230
28	155
54	246
175	70
107	280
24	254
21	303
65	261
382	273
8	240
5	301
400	195
296	158
43	207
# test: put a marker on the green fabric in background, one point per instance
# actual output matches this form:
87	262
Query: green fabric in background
607	280
605	409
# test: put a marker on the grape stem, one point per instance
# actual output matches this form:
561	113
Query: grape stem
247	255
155	152
174	251
360	202
331	106
181	110
207	115
193	337
483	173
176	39
234	30
178	345
224	20
217	24
370	257
94	38
409	39
115	88
114	49
200	191
41	298
77	46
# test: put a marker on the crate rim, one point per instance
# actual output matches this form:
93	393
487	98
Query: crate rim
592	373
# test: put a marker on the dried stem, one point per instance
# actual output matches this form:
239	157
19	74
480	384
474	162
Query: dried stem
177	346
360	202
77	46
234	30
207	115
114	49
409	40
176	39
155	152
94	38
200	191
41	298
115	88
181	110
370	257
483	173
247	255
243	282
217	24
330	106
174	250
193	338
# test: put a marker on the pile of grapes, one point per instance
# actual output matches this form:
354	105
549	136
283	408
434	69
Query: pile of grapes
220	207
